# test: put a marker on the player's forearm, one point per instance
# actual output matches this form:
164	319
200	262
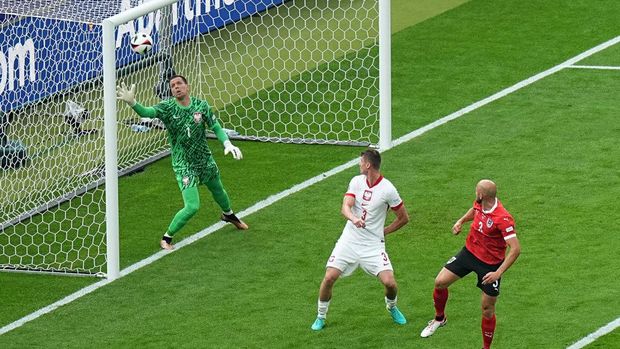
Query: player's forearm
467	216
347	213
402	218
145	112
511	257
219	132
394	226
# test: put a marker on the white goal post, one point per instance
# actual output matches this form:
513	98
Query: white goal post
298	71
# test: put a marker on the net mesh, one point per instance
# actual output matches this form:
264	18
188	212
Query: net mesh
70	10
287	71
305	71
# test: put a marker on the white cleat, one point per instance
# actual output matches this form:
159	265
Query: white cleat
432	326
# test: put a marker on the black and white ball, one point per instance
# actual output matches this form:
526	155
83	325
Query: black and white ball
141	43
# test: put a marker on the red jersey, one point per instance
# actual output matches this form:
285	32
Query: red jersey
489	232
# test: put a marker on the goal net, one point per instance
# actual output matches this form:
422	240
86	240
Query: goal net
304	71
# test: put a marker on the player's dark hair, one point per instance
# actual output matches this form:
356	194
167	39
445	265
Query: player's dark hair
373	157
178	76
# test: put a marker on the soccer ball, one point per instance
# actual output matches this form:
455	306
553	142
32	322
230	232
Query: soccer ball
141	43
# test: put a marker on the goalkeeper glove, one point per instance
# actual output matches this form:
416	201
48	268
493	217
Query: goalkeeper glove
127	95
229	148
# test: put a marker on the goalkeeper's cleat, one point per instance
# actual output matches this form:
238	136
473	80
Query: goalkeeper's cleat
432	326
397	316
165	245
231	218
318	324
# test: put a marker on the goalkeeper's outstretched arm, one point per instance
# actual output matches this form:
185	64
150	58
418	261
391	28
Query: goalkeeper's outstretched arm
128	95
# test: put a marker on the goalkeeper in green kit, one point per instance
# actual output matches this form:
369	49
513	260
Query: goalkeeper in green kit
186	119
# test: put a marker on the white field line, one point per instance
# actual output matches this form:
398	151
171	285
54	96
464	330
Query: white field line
506	91
595	335
602	67
298	187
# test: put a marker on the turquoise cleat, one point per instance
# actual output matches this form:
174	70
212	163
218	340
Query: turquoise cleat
397	316
319	324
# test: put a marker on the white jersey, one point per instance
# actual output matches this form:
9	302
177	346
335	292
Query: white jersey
372	202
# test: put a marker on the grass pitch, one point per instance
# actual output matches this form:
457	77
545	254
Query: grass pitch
551	147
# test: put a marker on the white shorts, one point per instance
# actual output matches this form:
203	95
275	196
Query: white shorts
347	256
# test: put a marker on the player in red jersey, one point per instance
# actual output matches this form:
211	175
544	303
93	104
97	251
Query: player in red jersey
484	253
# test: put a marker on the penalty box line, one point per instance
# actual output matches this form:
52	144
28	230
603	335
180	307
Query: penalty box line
307	183
595	67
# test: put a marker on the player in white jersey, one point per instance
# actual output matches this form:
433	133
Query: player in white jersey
362	242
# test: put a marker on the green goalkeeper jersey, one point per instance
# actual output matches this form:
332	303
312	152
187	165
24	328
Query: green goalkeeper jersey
186	127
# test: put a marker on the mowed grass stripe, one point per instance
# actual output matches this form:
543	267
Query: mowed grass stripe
445	182
308	183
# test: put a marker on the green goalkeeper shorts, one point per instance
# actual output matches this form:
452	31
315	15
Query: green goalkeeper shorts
192	178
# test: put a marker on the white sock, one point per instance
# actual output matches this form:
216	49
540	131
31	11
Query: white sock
390	303
228	213
322	309
166	235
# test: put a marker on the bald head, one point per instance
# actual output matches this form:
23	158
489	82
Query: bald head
486	189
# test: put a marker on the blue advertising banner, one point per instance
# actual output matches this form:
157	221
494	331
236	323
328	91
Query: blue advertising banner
40	56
